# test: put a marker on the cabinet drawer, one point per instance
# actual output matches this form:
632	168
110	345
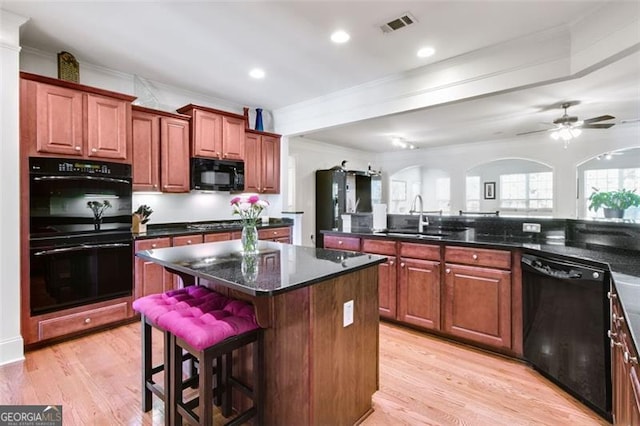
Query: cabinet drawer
420	251
342	243
379	247
153	244
220	236
480	257
273	233
185	240
56	327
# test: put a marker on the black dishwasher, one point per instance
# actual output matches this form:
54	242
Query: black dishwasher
565	321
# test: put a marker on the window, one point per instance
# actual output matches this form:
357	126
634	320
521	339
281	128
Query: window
610	180
473	194
443	196
527	191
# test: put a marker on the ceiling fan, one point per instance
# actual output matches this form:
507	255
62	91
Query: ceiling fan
568	127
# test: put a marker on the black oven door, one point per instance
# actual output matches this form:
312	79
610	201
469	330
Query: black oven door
64	276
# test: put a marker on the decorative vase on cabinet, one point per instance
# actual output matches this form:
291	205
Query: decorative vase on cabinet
259	124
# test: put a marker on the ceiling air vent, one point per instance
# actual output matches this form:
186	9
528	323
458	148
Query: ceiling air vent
395	24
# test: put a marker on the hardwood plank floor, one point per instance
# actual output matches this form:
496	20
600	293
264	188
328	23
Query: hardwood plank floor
423	381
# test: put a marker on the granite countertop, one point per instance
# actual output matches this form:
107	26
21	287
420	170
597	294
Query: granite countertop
276	268
177	229
624	265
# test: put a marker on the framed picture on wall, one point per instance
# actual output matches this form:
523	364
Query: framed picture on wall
489	190
398	190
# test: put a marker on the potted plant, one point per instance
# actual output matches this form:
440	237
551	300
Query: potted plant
140	219
614	203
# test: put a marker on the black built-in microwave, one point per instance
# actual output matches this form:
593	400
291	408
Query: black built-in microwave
217	175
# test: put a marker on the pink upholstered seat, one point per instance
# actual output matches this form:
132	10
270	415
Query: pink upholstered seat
208	323
155	305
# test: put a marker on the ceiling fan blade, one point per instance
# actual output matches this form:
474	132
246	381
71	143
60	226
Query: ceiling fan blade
600	118
533	131
597	126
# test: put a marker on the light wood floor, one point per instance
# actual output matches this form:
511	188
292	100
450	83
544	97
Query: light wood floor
423	381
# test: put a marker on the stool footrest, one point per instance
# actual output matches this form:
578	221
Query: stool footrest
241	386
243	417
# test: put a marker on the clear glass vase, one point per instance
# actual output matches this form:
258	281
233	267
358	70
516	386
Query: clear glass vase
249	239
249	267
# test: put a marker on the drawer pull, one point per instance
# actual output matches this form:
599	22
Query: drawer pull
94	150
275	232
628	359
448	270
614	343
339	243
617	318
78	148
154	245
87	320
611	295
188	241
391	262
475	257
611	334
402	264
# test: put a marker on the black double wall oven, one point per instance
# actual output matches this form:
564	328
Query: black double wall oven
80	241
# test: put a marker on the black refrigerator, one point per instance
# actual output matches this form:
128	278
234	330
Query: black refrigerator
340	191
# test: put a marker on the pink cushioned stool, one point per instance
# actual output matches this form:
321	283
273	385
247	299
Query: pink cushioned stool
151	307
209	331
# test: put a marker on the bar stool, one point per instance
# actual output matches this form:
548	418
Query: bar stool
151	307
210	331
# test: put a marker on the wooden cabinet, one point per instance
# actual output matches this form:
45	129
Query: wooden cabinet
262	162
184	240
419	285
160	151
477	299
61	118
215	133
341	243
81	321
149	277
280	235
624	369
387	275
219	236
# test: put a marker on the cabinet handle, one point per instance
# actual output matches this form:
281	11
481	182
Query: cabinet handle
94	150
614	343
628	359
448	270
611	295
217	154
188	241
617	318
402	264
87	320
475	257
339	243
78	148
611	334
154	245
391	262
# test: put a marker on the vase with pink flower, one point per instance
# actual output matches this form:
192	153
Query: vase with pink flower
249	207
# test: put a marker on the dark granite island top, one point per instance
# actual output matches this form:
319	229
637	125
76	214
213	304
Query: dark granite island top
319	367
276	268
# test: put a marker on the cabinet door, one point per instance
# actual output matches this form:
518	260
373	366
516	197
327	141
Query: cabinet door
252	163
232	138
174	148
107	124
387	288
478	304
151	278
419	293
270	165
207	134
146	151
59	120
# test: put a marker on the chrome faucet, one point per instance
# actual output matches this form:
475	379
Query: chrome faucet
422	220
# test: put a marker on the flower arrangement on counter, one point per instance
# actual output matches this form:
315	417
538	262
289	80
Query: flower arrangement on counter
248	207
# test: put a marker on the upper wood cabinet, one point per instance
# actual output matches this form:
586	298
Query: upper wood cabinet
160	151
69	119
215	133
262	162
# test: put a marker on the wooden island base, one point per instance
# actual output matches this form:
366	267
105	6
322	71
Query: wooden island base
316	371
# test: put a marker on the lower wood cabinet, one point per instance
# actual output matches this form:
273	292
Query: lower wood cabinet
624	369
477	304
279	235
184	240
149	277
81	321
387	275
419	293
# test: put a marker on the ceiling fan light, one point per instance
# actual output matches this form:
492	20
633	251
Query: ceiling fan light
565	134
555	136
575	132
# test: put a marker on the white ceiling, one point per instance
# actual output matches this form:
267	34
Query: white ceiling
209	47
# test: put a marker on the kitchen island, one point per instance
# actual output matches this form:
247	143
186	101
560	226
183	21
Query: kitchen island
317	370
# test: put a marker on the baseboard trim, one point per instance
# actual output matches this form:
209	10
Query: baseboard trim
11	350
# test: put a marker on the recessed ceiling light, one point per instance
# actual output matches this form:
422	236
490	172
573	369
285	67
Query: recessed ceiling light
340	37
257	73
425	52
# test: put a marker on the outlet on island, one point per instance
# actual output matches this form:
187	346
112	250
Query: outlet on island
530	227
347	317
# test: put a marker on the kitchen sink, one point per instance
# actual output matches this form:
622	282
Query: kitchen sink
434	232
